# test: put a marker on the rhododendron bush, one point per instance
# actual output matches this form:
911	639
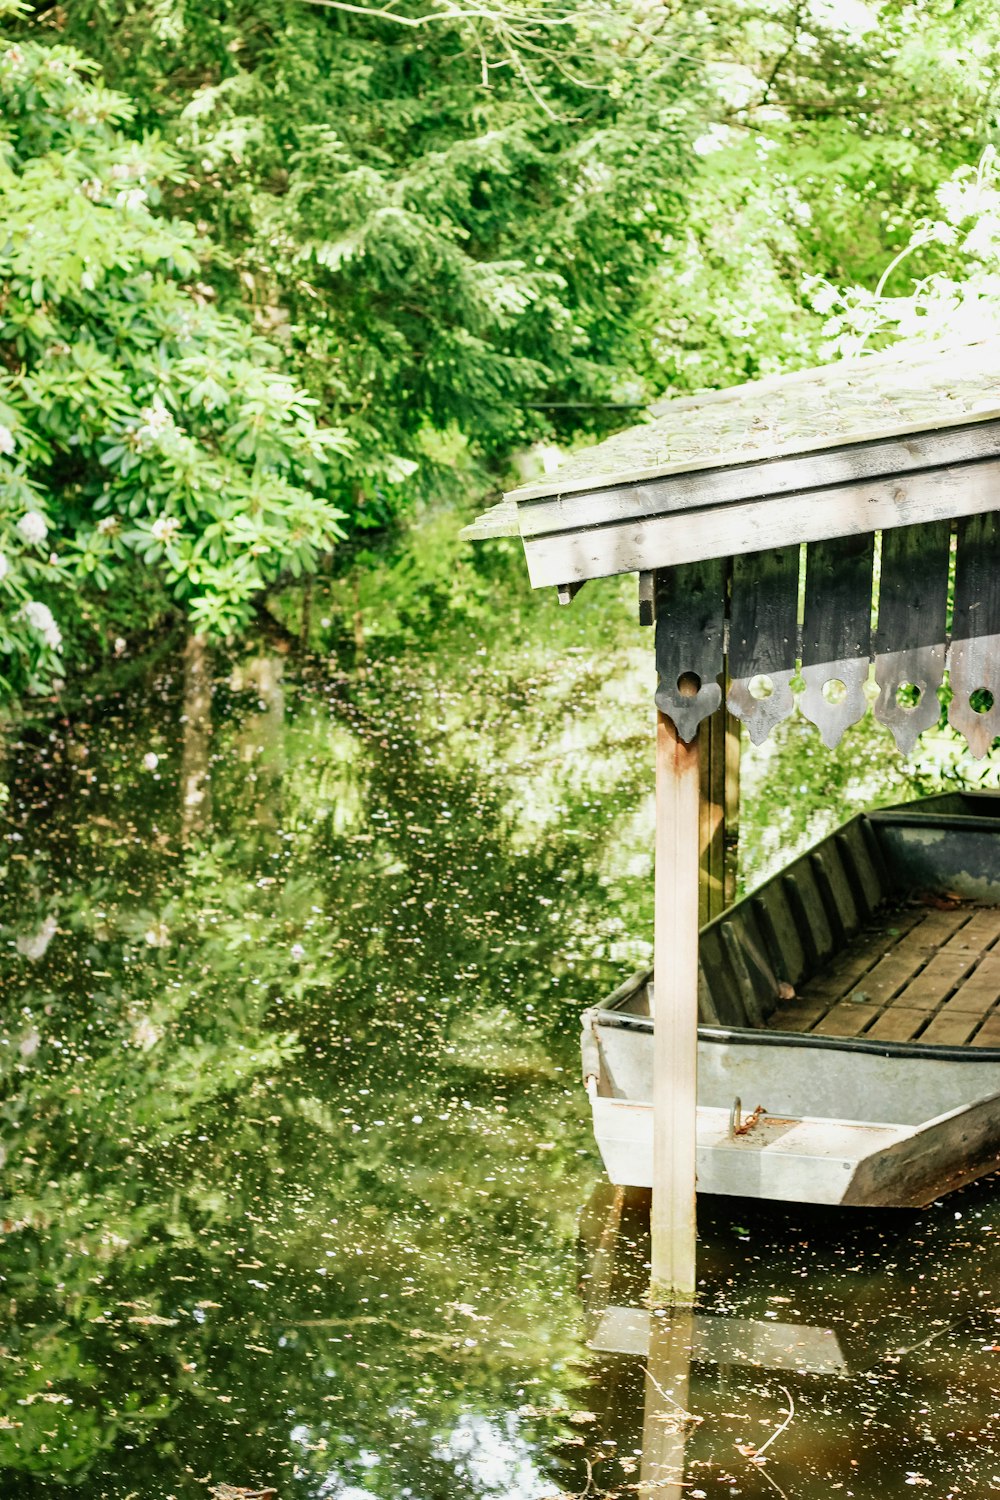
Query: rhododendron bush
140	427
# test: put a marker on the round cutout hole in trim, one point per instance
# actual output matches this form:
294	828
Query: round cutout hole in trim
761	688
834	691
981	701
908	695
689	684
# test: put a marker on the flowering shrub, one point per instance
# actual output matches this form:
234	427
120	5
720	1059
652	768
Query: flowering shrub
140	426
957	298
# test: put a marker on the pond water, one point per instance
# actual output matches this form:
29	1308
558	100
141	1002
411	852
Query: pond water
300	1191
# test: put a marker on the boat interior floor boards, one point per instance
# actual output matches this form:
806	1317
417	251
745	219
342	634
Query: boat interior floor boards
915	973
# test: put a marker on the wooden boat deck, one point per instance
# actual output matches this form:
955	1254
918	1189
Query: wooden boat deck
915	973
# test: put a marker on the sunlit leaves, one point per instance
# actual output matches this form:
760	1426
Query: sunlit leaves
127	395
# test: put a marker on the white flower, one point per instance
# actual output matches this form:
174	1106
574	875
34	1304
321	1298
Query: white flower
33	527
131	198
39	616
108	525
4	567
7	444
151	760
156	423
14	57
297	952
165	528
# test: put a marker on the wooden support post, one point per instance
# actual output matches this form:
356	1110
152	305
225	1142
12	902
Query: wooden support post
731	819
675	1052
712	818
720	814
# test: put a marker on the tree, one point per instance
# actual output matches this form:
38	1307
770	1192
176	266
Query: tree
462	229
453	267
140	427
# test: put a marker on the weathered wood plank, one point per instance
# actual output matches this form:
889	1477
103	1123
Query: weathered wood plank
960	1005
749	963
836	623
836	632
808	912
708	1015
981	990
950	1029
759	525
597	505
797	1015
988	1034
912	627
913	586
981	931
909	955
690	633
751	1006
932	986
781	933
763	637
860	869
977	578
846	973
835	888
876	854
720	979
974	655
897	1025
939	925
848	1018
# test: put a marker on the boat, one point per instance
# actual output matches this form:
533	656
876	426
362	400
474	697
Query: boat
849	1022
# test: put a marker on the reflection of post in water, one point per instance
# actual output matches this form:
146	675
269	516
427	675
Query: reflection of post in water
261	739
666	1417
196	786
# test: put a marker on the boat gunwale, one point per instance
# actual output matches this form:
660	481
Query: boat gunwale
968	822
604	1014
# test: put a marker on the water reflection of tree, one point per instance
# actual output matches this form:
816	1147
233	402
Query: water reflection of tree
292	1121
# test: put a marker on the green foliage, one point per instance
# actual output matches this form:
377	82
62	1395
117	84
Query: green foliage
291	1132
138	424
461	231
435	253
959	299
